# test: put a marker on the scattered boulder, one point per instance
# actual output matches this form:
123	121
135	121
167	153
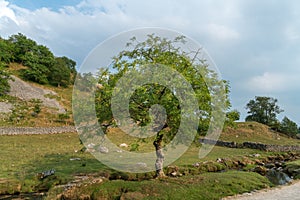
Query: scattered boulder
256	155
292	170
73	159
270	165
103	149
261	170
91	145
124	145
173	171
196	164
277	177
141	165
45	174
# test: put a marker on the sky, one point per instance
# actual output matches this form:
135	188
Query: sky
255	44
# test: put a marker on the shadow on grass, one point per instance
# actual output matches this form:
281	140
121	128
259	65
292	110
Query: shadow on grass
66	166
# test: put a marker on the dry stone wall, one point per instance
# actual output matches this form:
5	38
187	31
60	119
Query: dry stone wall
36	130
253	145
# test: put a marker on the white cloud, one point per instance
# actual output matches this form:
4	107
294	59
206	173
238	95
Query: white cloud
6	12
292	34
222	32
272	83
245	38
74	30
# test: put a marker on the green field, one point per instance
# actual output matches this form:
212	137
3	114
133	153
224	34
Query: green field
22	157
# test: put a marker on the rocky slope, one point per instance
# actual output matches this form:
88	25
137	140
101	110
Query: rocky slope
25	91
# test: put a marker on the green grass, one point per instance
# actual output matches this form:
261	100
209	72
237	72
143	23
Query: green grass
293	168
22	157
205	186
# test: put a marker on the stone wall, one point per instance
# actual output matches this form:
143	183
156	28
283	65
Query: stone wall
252	145
36	130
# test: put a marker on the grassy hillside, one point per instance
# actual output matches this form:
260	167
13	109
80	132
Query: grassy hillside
256	132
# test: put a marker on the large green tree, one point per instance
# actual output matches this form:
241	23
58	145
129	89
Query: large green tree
62	72
155	52
263	110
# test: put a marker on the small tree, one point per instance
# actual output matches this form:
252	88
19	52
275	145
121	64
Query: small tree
263	110
232	116
153	52
288	127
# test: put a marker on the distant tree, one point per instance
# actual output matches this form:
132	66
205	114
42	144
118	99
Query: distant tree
288	127
155	50
70	64
263	110
61	73
42	66
232	116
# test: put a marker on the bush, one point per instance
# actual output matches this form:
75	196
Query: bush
63	117
134	147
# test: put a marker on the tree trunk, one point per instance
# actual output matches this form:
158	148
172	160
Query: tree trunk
159	164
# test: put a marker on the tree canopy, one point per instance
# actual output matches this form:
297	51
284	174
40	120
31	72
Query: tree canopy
288	127
263	110
155	53
42	66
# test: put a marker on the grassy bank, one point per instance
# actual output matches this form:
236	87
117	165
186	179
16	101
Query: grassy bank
204	186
